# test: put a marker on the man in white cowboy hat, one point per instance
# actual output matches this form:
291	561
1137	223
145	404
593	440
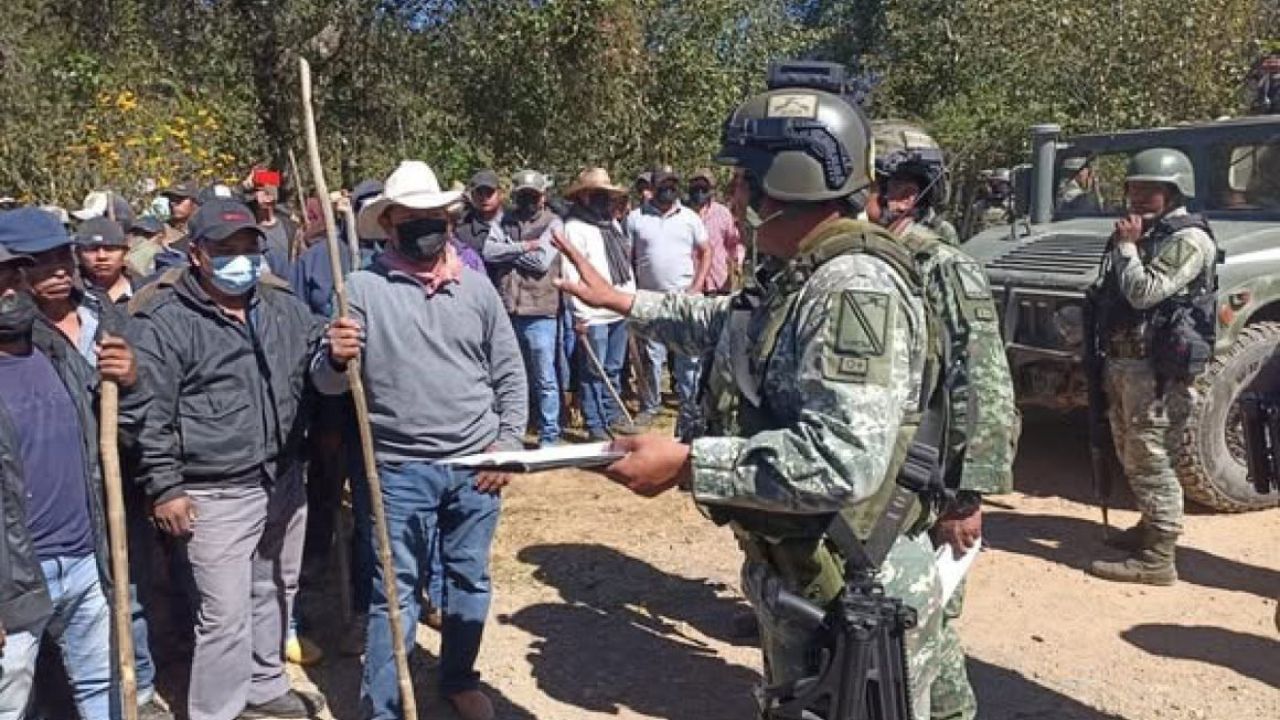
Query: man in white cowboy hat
591	228
444	378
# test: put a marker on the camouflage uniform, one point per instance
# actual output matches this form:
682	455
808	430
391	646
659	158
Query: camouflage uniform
1148	428
831	397
988	214
988	426
945	231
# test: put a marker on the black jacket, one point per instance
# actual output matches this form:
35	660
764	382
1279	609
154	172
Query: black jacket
24	600
228	399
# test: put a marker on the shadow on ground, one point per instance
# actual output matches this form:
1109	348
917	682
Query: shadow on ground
621	638
1053	459
1250	655
1006	694
1074	543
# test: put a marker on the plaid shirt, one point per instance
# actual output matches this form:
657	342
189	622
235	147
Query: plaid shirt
725	243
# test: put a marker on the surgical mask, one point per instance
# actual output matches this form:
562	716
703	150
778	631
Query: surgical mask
236	274
423	239
699	197
666	195
17	314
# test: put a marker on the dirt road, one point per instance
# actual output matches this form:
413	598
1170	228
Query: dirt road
612	606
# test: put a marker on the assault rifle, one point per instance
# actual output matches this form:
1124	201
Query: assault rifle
1260	413
1102	449
862	660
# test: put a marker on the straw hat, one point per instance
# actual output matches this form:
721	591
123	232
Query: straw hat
413	185
593	179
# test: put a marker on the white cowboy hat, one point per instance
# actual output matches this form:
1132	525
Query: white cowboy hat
413	185
594	179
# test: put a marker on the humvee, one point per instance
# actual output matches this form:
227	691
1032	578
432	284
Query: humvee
1041	265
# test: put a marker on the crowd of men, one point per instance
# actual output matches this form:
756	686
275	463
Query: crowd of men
843	394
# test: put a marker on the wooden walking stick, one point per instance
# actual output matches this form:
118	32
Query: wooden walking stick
595	362
295	242
381	538
113	483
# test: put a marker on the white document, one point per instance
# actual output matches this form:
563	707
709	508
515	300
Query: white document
563	456
952	569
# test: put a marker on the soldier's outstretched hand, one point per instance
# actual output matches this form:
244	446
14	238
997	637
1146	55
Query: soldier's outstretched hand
653	464
592	288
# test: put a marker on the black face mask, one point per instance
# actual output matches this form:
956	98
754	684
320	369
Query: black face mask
423	240
699	197
601	204
17	315
526	204
666	195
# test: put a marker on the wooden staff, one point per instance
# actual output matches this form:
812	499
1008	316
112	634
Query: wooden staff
295	242
383	540
122	611
595	362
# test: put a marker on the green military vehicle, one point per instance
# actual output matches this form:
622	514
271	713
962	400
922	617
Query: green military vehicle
1041	264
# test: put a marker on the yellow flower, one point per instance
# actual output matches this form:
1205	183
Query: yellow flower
126	101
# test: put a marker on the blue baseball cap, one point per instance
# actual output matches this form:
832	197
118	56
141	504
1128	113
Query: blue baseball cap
30	230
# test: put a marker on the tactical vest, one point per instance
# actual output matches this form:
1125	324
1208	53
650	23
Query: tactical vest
984	422
793	544
1179	333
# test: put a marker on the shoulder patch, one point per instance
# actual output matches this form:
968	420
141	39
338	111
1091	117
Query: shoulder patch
1175	254
859	345
972	279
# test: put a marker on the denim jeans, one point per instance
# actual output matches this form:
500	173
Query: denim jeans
684	376
599	409
419	497
142	540
537	336
81	625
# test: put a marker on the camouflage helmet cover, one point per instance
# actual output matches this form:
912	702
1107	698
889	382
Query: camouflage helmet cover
904	148
1163	165
801	144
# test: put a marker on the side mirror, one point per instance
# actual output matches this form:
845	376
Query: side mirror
1020	179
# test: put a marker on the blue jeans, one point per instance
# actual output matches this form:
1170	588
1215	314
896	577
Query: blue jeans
420	497
364	557
684	376
537	336
81	625
599	409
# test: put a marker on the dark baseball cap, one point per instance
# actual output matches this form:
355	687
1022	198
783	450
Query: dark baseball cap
11	258
663	173
100	232
30	230
219	219
364	193
184	189
146	224
484	179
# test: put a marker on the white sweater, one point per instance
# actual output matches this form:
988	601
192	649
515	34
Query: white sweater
586	238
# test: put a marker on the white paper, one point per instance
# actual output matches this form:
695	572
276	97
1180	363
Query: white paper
562	456
952	569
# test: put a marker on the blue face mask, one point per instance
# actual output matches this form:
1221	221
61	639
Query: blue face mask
236	274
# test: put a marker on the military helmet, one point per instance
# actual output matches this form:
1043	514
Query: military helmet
904	149
1163	165
801	144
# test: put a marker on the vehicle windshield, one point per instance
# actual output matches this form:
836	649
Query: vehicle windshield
1242	177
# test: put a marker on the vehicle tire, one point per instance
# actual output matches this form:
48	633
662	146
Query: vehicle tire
1210	461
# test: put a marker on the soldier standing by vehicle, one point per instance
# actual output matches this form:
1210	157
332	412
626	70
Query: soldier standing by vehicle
992	208
912	180
1154	315
816	376
1079	190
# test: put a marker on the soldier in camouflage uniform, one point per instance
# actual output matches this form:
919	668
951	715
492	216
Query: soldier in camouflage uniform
994	207
984	441
1078	192
932	193
1160	264
816	377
